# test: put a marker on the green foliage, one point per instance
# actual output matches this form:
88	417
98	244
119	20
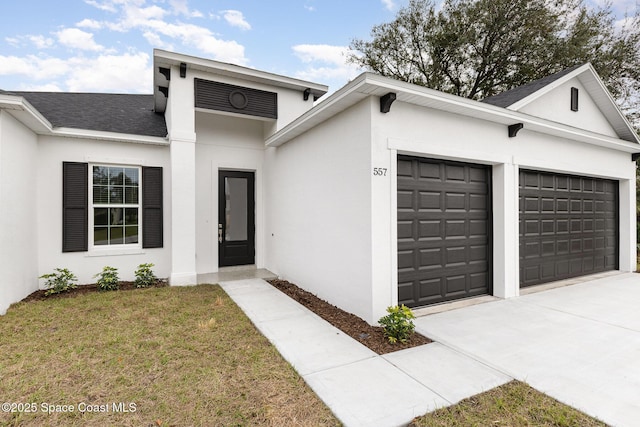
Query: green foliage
145	276
398	324
478	48
59	281
108	279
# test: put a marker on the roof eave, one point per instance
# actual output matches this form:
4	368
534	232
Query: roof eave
25	113
368	84
167	59
109	136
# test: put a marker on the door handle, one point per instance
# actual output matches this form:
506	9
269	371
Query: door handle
219	233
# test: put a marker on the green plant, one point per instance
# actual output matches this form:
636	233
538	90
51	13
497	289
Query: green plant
60	281
398	325
145	276
108	279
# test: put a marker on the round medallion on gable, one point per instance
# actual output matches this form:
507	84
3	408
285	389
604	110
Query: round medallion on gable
238	99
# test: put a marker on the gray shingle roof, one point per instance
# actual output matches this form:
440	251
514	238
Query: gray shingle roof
514	95
121	113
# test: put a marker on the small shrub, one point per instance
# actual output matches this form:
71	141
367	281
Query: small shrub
398	325
60	281
145	276
108	279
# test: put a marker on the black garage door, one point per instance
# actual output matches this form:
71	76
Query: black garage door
444	230
568	226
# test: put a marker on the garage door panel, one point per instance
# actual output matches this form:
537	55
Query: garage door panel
450	241
578	236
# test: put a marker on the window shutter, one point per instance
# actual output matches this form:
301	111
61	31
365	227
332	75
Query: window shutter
151	207
74	206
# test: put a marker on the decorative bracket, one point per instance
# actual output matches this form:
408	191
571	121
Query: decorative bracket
386	101
164	90
306	93
166	72
183	70
635	157
514	129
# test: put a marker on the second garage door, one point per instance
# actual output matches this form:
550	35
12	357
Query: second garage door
444	230
568	226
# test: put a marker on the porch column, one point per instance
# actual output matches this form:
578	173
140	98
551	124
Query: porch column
627	222
506	277
180	117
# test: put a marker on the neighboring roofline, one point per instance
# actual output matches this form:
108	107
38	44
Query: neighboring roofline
28	115
368	84
166	59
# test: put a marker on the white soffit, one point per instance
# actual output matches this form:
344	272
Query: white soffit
368	84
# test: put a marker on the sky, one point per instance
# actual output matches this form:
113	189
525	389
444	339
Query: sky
107	45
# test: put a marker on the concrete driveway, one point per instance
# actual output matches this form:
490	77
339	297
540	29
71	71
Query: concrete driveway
579	344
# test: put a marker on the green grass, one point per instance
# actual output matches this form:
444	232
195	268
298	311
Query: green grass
513	404
188	356
184	356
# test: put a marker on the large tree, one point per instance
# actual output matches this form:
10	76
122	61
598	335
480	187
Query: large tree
477	48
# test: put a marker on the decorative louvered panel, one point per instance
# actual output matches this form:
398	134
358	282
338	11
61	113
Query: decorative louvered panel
235	99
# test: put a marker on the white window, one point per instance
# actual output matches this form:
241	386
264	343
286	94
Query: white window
115	206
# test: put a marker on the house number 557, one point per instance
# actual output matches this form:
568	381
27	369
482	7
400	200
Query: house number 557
379	171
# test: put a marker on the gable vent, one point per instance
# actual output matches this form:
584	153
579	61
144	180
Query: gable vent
235	99
574	99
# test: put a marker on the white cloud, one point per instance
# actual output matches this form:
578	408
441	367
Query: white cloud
47	87
235	18
180	7
78	39
107	6
90	23
96	67
325	62
320	52
41	42
389	4
33	67
130	72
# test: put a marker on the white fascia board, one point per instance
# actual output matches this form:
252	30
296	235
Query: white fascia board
25	113
109	136
163	57
369	84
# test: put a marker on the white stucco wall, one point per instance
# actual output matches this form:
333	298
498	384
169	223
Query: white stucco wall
52	151
225	143
319	204
556	106
18	196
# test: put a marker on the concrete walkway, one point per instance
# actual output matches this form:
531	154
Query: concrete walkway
359	386
579	344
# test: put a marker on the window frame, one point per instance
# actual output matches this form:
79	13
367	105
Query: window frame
117	247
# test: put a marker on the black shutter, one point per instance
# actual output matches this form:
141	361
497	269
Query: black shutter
151	207
74	206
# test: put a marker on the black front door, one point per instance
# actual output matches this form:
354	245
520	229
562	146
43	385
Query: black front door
236	218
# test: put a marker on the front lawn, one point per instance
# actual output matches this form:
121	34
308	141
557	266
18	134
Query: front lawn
179	356
510	405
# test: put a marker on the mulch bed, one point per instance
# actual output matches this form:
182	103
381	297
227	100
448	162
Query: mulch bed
39	295
371	336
